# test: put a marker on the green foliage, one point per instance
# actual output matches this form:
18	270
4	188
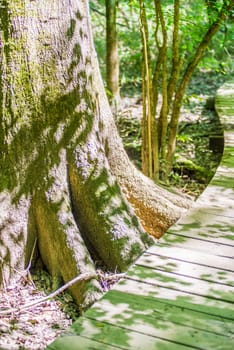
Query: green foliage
129	41
193	24
196	17
219	57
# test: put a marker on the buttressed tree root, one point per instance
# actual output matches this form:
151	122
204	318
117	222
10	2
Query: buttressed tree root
66	181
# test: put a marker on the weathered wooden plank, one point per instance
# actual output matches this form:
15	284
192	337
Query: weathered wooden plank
186	236
177	297
209	226
192	256
226	163
223	174
210	235
229	138
75	342
225	167
224	104
224	213
181	240
122	337
218	198
182	283
228	152
184	268
149	335
186	240
130	311
224	182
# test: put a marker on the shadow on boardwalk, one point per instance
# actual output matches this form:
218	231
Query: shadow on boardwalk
179	294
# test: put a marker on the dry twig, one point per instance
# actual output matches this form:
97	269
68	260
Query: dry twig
84	276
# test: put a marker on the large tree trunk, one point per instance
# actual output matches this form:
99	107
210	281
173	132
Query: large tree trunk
66	183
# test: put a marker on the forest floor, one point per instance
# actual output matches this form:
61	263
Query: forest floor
29	319
34	327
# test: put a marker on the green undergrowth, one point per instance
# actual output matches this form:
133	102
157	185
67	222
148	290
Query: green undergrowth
199	140
43	282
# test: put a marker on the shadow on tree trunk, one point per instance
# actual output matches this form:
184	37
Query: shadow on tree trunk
66	181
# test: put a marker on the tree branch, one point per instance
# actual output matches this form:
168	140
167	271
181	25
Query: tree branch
84	277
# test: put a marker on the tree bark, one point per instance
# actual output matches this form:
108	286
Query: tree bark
112	58
176	58
162	123
147	157
149	153
66	182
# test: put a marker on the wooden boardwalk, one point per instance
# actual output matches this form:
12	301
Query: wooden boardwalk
180	293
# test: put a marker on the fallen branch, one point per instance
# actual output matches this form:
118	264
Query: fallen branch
84	276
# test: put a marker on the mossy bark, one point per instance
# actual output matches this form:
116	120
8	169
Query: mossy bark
66	182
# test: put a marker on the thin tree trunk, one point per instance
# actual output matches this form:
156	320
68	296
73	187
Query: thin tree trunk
150	161
226	8
164	107
176	59
147	92
112	59
144	143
